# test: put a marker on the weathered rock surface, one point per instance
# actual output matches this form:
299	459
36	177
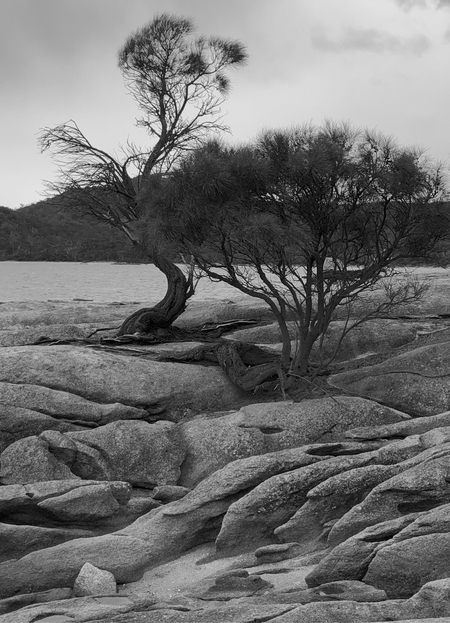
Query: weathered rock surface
82	609
416	382
96	609
54	567
402	568
64	405
20	601
373	511
433	600
402	429
374	336
398	556
233	585
105	377
212	442
94	581
253	518
417	489
140	453
431	603
17	423
29	460
169	493
350	560
45	514
18	540
154	537
329	501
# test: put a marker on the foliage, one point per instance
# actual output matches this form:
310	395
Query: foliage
178	82
44	232
311	220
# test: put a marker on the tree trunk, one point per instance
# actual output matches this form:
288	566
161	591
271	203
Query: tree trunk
164	313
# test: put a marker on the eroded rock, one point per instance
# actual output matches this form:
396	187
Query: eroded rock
212	442
104	377
137	452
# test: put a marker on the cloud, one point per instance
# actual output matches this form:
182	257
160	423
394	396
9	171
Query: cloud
371	40
407	5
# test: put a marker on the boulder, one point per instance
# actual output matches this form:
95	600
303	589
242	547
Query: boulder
134	451
212	442
104	377
85	504
143	454
416	382
94	581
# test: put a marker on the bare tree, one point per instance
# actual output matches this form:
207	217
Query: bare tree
179	84
312	220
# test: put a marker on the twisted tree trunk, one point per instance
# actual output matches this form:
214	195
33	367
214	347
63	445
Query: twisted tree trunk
164	313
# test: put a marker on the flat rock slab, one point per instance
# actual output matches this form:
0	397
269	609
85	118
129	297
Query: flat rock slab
373	336
416	382
108	377
62	405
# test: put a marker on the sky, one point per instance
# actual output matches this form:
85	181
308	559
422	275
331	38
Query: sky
379	64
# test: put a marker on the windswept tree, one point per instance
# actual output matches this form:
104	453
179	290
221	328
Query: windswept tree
179	83
313	221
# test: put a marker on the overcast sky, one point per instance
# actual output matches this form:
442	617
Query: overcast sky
381	64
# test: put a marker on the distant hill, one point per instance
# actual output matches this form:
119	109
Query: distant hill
45	232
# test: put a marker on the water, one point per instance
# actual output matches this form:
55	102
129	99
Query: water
104	282
97	281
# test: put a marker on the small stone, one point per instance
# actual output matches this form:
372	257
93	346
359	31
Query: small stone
94	581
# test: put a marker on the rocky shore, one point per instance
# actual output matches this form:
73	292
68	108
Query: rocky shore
135	490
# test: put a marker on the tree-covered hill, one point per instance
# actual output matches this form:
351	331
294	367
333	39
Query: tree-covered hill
45	232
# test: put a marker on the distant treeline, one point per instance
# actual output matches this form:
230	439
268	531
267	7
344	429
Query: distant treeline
44	232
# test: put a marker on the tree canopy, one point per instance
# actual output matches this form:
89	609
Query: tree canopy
309	219
179	82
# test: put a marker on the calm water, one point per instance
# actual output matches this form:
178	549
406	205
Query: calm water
97	281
